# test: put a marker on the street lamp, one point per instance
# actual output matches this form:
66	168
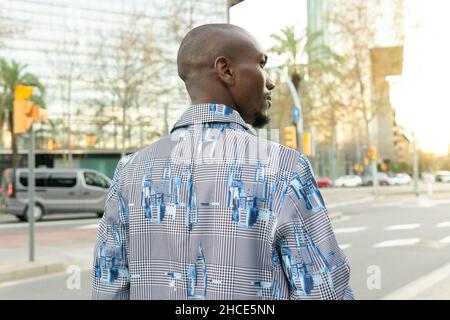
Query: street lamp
415	165
297	108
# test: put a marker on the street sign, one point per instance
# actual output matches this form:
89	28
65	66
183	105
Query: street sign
295	114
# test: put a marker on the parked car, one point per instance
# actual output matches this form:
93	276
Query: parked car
57	191
443	176
383	179
348	181
324	182
399	179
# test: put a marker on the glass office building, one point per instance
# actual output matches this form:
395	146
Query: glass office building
97	59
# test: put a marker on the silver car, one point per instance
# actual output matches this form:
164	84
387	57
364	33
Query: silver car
57	191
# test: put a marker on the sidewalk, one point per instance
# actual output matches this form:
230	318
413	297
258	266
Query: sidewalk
19	270
49	259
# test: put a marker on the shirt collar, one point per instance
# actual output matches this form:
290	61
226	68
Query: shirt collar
209	112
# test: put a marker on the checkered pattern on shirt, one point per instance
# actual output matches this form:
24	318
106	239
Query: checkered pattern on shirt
237	258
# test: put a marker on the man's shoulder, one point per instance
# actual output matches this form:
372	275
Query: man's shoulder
143	154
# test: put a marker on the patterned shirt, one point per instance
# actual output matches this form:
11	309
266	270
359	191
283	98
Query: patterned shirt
213	211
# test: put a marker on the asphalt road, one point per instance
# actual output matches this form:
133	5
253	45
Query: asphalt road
391	241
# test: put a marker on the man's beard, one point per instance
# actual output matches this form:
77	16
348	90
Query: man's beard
261	120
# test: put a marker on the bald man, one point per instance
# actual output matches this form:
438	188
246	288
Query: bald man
213	211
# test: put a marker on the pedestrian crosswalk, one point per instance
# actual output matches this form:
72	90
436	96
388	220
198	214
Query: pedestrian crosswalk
445	240
397	243
402	227
388	240
349	230
445	224
400	242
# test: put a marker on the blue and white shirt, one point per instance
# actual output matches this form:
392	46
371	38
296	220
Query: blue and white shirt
213	211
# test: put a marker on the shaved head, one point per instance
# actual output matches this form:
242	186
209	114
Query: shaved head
223	63
202	45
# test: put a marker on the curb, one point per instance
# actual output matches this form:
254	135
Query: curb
20	270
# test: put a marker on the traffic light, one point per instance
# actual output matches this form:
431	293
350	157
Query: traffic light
23	111
372	153
358	167
290	137
384	167
22	93
307	147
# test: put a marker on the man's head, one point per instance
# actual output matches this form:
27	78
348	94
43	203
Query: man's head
223	63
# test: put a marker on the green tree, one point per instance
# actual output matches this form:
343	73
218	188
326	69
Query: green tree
313	69
303	54
11	75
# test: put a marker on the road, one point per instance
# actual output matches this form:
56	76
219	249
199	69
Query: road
398	238
391	241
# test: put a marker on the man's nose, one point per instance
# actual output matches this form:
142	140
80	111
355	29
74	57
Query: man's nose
270	84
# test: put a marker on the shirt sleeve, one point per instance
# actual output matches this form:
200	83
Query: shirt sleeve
313	263
110	278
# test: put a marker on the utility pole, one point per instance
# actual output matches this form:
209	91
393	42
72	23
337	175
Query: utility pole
372	155
31	187
297	108
415	166
166	118
25	113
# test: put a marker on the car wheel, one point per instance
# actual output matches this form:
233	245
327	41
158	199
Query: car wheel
38	213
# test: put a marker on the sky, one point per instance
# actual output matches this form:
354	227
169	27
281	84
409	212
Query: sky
420	96
264	17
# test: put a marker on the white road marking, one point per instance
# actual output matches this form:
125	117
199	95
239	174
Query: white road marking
445	240
443	224
421	285
349	230
345	246
402	227
348	203
397	243
89	226
425	202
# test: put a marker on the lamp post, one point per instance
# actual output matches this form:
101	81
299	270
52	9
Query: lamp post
415	166
297	108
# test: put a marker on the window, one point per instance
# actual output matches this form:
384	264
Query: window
62	180
40	179
94	180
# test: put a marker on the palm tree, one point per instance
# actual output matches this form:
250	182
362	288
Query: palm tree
306	58
308	62
11	75
304	54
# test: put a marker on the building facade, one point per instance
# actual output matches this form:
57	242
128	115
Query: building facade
109	68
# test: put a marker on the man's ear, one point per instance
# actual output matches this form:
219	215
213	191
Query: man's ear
224	70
